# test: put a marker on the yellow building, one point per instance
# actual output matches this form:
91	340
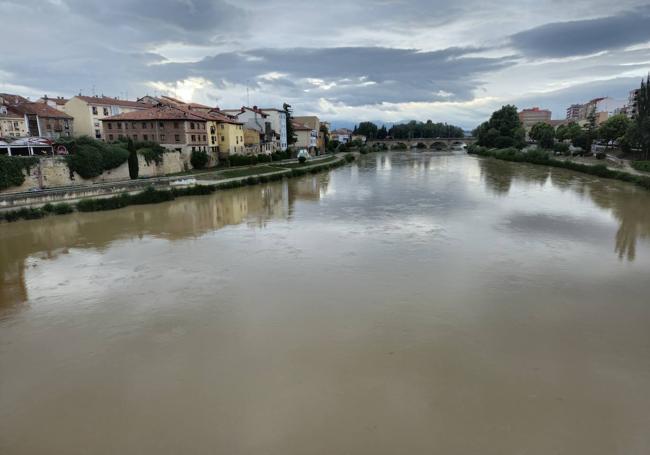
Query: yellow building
313	122
88	112
12	124
229	134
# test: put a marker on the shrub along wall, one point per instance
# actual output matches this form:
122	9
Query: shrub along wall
153	196
13	169
543	157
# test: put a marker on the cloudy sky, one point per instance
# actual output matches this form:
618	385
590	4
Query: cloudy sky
346	61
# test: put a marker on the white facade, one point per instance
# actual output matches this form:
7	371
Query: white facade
278	120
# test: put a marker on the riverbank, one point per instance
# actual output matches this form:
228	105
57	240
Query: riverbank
544	158
253	175
73	194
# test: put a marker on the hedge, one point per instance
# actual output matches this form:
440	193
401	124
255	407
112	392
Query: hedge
543	157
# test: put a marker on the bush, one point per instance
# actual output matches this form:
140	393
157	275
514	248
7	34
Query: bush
242	160
199	159
13	168
302	160
90	157
541	157
349	157
643	166
264	158
560	148
601	155
151	152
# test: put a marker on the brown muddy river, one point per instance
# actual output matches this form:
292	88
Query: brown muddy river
412	303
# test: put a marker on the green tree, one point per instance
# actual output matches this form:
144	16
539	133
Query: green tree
568	132
382	133
367	129
291	134
543	134
638	133
326	135
614	128
134	166
503	130
199	159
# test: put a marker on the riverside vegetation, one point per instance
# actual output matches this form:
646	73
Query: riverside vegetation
155	196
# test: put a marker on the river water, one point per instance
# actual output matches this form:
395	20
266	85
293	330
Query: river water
411	303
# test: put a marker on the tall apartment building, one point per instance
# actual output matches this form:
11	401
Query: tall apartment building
632	109
530	117
575	112
89	111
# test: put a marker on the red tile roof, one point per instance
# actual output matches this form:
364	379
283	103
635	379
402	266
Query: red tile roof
40	109
108	101
178	102
300	126
8	98
160	112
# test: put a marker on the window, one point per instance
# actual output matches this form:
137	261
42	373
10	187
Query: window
135	137
214	139
151	125
237	139
94	110
161	124
176	125
98	134
223	138
110	125
105	111
110	137
191	125
126	126
193	138
221	126
193	149
162	138
205	138
144	125
133	125
66	124
119	125
212	129
145	137
177	137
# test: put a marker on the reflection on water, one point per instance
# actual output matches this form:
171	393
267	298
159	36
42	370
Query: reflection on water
412	302
185	217
628	204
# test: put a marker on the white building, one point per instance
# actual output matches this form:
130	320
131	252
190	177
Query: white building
278	120
270	123
88	112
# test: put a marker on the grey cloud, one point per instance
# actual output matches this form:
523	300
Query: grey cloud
564	39
164	20
355	75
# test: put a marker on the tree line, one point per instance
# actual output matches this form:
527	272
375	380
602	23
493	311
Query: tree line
504	130
410	130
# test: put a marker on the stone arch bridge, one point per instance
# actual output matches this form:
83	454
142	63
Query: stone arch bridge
437	143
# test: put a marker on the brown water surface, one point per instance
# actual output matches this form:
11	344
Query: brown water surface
412	303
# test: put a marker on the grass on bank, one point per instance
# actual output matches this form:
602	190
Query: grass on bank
544	158
243	172
154	196
330	159
642	166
